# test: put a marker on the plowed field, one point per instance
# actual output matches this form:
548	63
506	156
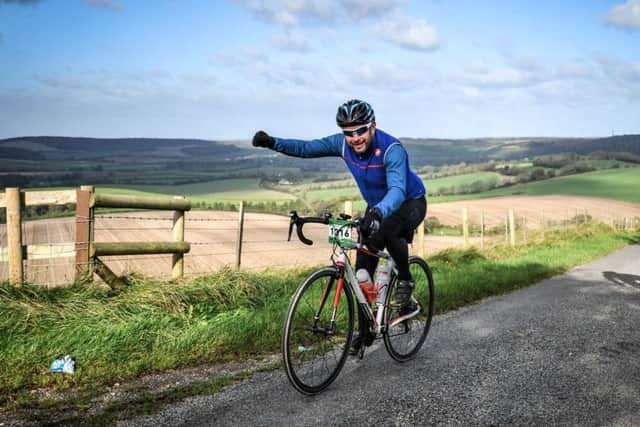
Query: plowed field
213	235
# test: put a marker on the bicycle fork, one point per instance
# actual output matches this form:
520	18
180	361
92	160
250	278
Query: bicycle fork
334	312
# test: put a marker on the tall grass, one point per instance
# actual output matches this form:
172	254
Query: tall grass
154	325
149	326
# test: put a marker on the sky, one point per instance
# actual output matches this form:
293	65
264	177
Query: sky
223	69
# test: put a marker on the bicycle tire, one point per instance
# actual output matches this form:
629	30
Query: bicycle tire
312	357
404	340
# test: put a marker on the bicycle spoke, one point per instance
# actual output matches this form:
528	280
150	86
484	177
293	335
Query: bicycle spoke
405	338
314	349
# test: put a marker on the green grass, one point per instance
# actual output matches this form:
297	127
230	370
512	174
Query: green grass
150	326
432	185
332	193
211	191
154	325
618	184
514	165
465	179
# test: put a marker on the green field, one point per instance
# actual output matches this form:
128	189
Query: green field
332	193
225	190
618	184
433	185
459	180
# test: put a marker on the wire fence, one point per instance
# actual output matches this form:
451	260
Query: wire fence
213	236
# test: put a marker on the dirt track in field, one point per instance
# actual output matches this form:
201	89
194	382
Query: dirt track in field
213	235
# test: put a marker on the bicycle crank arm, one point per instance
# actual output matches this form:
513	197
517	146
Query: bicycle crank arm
408	316
322	331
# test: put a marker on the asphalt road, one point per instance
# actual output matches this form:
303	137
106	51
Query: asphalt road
563	352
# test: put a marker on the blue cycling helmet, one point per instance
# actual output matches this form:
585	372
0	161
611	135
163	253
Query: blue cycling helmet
354	112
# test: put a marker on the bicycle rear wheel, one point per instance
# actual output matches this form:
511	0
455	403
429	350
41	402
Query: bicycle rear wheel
314	349
404	339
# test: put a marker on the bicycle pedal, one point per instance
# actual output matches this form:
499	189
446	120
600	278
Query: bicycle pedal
361	353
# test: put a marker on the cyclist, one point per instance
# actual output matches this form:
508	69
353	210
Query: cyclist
395	195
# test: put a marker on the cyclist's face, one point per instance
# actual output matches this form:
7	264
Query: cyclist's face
359	137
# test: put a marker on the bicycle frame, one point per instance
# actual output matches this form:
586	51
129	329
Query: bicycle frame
344	265
345	269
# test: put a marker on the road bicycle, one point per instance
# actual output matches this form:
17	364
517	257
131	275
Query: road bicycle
319	326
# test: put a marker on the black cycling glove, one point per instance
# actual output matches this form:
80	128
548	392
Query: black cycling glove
371	222
262	139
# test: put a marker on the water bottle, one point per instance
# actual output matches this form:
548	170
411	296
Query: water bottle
366	284
382	277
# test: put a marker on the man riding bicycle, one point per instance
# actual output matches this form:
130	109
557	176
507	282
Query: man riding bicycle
395	195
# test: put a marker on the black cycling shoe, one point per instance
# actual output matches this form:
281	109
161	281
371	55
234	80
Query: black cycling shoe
402	298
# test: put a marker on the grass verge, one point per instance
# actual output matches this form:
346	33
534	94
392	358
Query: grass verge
152	326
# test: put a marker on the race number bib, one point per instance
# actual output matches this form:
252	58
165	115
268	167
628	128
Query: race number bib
339	231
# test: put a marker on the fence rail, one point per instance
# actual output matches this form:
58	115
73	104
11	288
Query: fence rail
239	239
85	250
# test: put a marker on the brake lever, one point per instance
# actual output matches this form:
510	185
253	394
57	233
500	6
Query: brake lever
293	220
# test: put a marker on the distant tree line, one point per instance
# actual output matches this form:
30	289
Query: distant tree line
42	211
271	207
39	180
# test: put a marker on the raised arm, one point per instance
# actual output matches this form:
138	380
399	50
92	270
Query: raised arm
328	146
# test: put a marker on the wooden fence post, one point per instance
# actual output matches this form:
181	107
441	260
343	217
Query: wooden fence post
512	228
83	234
348	207
239	240
465	226
91	190
14	236
178	236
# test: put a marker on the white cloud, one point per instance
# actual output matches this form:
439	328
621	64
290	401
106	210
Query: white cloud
496	78
382	18
292	41
574	71
625	74
625	15
243	57
292	12
408	32
519	73
368	8
199	79
98	86
391	77
289	12
582	84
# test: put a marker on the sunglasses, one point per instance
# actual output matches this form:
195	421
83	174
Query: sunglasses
357	132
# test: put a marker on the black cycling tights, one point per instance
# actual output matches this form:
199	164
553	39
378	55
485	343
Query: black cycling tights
395	234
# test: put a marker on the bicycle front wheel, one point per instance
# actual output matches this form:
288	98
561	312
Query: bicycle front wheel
404	339
314	341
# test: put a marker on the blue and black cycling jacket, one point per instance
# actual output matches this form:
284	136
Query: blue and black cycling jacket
382	173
